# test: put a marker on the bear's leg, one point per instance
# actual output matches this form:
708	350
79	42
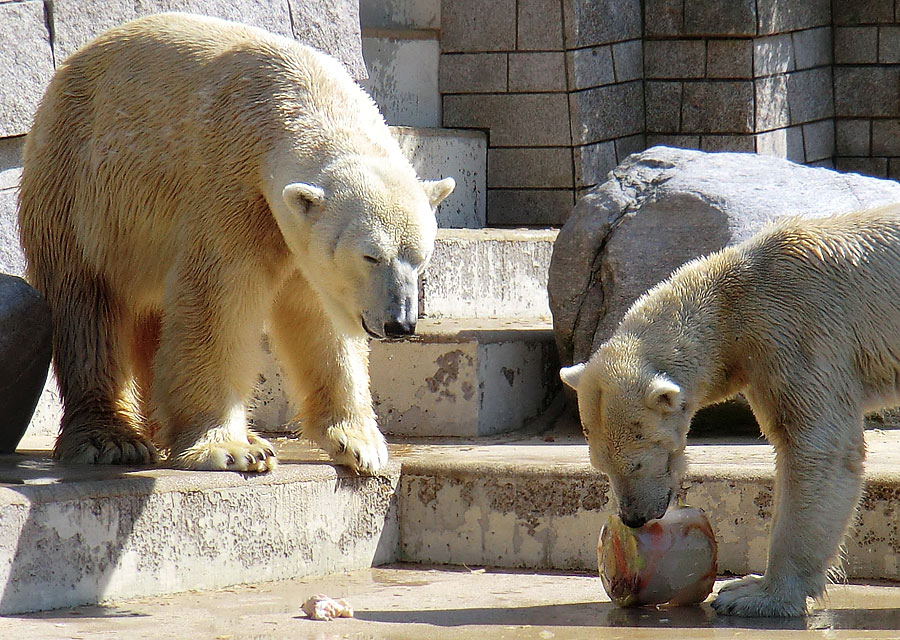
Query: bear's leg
101	422
819	465
205	367
144	345
328	379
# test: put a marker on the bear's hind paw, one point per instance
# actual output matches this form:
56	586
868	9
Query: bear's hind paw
754	597
256	456
102	446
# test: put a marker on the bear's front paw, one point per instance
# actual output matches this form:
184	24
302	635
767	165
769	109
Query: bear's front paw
256	455
360	446
757	597
104	445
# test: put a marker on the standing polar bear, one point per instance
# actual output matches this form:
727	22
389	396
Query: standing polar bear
186	181
803	320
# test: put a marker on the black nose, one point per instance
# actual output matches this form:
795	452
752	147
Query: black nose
635	522
394	329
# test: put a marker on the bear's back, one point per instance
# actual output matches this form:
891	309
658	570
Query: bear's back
826	289
167	116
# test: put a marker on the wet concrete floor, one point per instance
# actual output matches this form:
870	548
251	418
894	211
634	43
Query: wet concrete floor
417	602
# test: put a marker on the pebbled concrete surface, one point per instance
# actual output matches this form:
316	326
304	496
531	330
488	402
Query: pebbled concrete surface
416	601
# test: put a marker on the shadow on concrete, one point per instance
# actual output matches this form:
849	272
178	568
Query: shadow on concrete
63	529
87	612
606	614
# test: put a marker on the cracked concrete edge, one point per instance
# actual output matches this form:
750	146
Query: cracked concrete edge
62	547
45	480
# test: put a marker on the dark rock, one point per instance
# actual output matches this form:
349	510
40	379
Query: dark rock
25	350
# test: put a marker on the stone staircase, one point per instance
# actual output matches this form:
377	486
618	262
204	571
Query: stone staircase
483	473
484	360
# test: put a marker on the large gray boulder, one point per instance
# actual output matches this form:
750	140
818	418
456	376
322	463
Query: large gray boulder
663	207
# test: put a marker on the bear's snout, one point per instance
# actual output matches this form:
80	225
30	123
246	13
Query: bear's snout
636	515
399	328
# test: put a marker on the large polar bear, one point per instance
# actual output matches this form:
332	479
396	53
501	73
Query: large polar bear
803	319
187	181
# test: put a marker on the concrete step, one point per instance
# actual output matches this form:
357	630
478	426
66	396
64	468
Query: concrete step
458	153
483	273
410	602
392	14
403	74
81	534
530	503
456	377
464	377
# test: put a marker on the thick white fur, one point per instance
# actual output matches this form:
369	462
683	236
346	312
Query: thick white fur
803	320
186	181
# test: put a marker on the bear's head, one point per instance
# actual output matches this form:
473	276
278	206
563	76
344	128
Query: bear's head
635	421
362	233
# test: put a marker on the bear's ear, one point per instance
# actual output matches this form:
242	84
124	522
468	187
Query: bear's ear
437	190
300	196
663	395
572	375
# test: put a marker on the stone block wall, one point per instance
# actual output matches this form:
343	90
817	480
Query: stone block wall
528	71
816	82
867	87
741	76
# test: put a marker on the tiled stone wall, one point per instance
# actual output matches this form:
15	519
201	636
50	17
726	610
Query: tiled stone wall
867	86
529	72
816	82
741	76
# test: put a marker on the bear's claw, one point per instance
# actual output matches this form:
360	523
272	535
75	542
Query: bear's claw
106	447
257	455
754	597
360	447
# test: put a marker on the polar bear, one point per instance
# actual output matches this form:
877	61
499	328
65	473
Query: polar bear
802	319
187	181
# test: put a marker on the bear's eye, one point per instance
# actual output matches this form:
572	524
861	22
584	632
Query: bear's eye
371	259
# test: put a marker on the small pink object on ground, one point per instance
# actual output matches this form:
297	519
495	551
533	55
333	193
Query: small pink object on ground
321	607
670	560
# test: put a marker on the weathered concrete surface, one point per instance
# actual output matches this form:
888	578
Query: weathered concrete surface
81	534
411	602
484	273
403	75
410	14
457	153
663	207
12	260
462	378
530	503
506	502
